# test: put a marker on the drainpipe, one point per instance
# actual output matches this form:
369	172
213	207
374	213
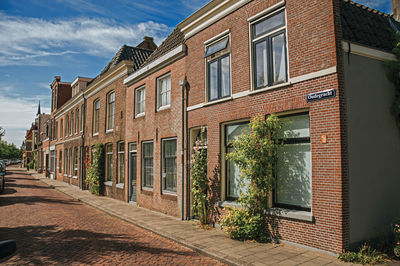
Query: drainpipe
182	83
83	151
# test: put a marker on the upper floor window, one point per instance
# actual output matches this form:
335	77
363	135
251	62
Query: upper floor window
61	128
56	131
77	121
269	50
140	101
71	130
164	91
110	111
218	71
67	126
96	116
82	117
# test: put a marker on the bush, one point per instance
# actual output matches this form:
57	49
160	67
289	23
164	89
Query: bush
366	255
242	225
396	248
95	171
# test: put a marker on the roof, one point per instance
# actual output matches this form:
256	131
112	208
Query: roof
134	54
367	26
175	39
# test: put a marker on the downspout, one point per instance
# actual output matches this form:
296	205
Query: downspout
187	152
182	83
83	150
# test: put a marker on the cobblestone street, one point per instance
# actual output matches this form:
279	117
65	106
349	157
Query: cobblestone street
52	228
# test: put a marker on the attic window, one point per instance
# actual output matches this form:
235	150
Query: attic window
215	48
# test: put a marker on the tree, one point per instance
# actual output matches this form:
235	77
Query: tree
2	132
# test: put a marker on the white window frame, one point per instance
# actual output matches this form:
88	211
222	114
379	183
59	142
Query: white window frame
137	112
254	21
159	93
96	120
162	166
120	153
107	153
110	118
143	180
212	41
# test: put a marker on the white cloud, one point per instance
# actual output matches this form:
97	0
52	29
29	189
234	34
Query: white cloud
28	41
17	114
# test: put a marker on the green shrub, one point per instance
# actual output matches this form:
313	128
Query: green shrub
396	248
242	225
366	255
95	171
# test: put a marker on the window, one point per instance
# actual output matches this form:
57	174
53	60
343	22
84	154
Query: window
75	161
82	117
147	164
60	162
67	126
269	51
110	111
76	121
52	161
56	131
218	69
70	162
169	165
164	91
61	128
47	130
293	183
121	163
233	183
65	162
140	101
71	130
109	162
96	116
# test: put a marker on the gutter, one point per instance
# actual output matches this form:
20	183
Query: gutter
83	150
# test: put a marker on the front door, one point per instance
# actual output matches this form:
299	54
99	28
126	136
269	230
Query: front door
132	172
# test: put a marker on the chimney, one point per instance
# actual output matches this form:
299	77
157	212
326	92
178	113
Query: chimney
148	43
396	9
57	78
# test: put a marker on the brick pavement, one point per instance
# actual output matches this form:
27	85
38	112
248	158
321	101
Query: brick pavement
53	228
210	242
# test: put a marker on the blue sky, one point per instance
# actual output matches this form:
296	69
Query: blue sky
40	39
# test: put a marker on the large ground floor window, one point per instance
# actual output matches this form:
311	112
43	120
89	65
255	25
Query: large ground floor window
234	187
169	165
121	163
147	164
76	161
293	184
109	162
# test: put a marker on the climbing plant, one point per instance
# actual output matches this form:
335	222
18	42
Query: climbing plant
95	171
255	154
393	74
199	178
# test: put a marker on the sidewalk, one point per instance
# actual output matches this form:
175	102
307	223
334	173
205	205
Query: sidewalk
213	242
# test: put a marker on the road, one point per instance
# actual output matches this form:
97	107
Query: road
52	228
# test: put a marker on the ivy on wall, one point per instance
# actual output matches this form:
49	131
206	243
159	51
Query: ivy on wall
95	171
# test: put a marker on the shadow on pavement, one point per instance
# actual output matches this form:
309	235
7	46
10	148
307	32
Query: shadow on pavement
30	200
50	245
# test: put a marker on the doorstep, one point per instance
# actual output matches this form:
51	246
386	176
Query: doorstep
212	242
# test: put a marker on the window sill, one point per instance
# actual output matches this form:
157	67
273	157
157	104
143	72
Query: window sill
229	204
292	214
218	101
65	175
75	177
140	115
169	196
281	85
120	185
95	134
165	107
147	191
108	183
109	131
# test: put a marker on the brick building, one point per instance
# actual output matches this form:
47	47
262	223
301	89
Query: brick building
41	122
153	137
315	64
302	61
105	114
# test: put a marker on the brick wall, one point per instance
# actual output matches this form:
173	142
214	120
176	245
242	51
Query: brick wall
118	133
155	126
311	47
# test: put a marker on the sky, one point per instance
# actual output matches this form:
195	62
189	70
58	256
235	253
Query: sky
40	39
